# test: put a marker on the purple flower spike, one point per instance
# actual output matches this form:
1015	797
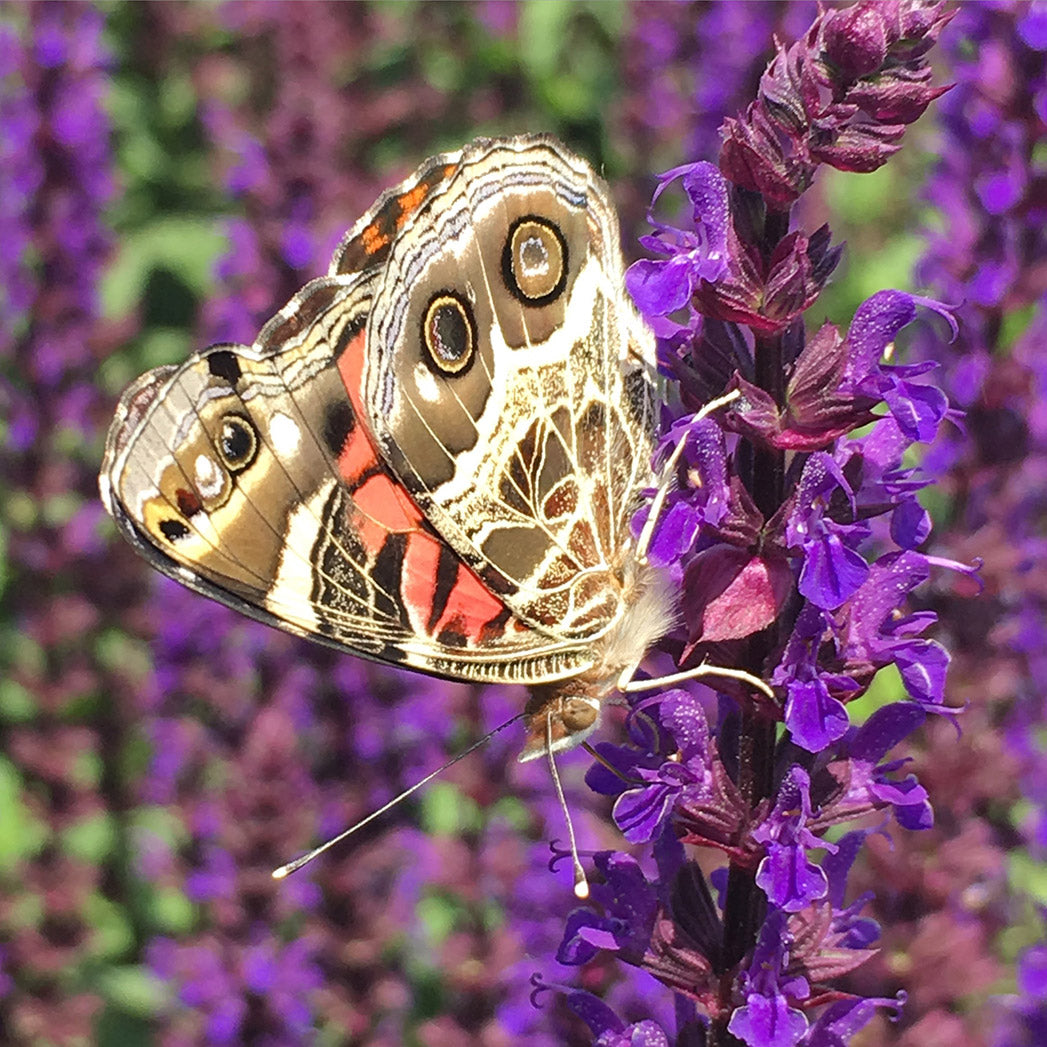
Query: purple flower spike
797	545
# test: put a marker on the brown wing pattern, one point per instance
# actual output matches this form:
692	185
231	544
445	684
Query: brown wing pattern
511	387
430	456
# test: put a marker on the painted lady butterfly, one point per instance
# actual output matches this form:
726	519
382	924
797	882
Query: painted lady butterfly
430	456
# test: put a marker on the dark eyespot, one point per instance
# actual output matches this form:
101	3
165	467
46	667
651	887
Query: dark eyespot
449	332
534	260
237	442
172	530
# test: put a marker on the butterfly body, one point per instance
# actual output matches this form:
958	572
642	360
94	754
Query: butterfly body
431	456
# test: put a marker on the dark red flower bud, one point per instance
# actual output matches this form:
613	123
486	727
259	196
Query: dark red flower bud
861	147
753	157
782	93
856	38
898	97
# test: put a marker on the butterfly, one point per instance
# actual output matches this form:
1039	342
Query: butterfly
431	456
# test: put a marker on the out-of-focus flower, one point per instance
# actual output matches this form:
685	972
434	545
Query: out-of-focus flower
986	251
55	184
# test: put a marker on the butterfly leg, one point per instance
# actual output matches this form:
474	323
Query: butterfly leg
629	686
669	477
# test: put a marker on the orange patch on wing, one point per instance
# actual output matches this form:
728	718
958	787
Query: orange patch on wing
410	200
351	368
470	607
358	455
386	503
374	239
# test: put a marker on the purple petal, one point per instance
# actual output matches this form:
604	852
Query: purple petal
707	189
660	287
1032	969
876	322
814	718
790	881
923	665
910	524
884	730
768	1022
918	409
831	572
639	812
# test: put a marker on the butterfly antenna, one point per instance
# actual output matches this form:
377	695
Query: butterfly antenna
581	884
293	866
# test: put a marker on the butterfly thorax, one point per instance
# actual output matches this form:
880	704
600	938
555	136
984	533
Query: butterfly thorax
562	714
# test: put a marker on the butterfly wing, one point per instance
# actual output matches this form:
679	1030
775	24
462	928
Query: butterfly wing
249	475
511	386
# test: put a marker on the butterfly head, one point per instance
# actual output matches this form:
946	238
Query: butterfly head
559	716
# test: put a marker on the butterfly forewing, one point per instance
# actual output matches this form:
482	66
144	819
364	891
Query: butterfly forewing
512	389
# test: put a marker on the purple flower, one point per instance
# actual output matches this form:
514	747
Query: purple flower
664	286
789	878
609	1030
842	1020
832	571
867	785
654	781
767	1018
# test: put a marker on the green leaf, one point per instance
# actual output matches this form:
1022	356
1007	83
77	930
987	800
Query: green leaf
171	912
885	688
439	915
111	932
91	839
134	989
17	704
446	811
1028	876
5	571
119	653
